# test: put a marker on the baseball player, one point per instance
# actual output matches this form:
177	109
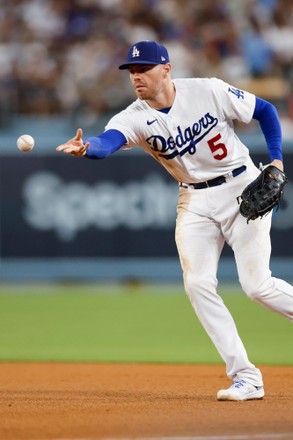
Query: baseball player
187	126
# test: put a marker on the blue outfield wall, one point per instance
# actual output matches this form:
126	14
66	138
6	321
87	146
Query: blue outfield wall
64	218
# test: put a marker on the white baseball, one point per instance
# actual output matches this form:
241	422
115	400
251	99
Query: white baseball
25	142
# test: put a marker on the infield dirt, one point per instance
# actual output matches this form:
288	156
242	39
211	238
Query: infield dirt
47	401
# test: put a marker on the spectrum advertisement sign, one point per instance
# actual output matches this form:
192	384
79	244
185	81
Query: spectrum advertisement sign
124	206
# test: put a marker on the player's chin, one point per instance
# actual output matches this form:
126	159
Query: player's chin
141	93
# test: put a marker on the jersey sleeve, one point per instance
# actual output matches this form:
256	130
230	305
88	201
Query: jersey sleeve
234	103
105	144
124	123
268	118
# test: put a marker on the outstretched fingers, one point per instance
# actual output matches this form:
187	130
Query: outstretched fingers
74	146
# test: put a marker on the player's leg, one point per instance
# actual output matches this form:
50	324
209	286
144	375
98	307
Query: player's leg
252	250
200	242
251	245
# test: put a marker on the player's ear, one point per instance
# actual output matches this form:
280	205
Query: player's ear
167	68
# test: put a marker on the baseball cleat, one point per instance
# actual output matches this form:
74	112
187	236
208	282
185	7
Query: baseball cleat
241	390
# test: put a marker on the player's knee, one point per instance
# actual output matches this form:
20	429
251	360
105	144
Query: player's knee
257	290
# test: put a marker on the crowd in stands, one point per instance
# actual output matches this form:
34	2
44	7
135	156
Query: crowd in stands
61	56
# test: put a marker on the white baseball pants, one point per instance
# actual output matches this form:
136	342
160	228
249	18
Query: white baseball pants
206	218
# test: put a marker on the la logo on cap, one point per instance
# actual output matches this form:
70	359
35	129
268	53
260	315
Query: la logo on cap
135	52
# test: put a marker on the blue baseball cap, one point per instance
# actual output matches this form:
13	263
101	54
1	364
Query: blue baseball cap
146	52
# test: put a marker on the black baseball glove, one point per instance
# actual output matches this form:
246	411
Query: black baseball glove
262	194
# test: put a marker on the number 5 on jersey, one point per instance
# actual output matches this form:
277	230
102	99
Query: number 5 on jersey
217	147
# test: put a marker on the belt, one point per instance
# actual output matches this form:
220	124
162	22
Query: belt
215	182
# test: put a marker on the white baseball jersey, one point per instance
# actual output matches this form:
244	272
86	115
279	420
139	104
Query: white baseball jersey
195	141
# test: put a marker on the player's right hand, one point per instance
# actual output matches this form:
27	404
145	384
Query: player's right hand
74	146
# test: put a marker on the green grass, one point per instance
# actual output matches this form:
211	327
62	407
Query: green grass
128	324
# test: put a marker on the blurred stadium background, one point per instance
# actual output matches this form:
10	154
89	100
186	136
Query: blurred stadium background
68	219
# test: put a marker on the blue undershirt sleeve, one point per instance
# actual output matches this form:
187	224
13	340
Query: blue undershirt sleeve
266	114
105	144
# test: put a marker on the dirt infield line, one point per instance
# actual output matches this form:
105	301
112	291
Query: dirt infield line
283	436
